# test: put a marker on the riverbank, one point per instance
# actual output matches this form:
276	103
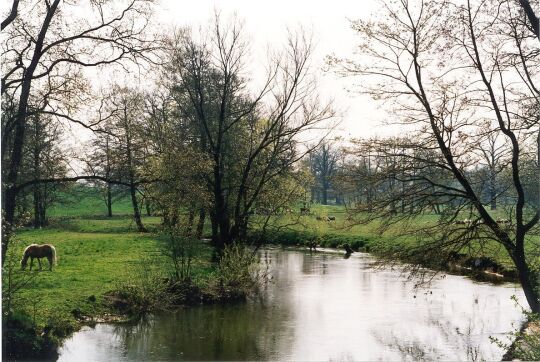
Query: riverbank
331	226
100	258
477	266
106	271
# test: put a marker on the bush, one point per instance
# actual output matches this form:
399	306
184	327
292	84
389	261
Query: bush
145	291
239	273
526	340
21	339
180	249
59	326
185	292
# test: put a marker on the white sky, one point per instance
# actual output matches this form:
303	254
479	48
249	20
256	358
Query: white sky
267	23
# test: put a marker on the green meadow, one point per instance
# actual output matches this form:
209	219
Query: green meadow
97	254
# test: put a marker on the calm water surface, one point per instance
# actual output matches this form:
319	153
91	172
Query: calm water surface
320	307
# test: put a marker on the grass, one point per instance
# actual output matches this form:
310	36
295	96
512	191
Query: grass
96	253
80	201
340	231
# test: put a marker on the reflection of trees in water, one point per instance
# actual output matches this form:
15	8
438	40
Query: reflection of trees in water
247	331
269	328
314	263
464	343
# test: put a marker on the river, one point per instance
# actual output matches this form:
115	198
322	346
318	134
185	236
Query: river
320	306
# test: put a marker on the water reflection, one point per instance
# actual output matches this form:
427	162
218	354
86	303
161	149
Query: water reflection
320	306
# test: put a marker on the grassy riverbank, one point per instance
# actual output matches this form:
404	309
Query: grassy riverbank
98	255
95	256
329	226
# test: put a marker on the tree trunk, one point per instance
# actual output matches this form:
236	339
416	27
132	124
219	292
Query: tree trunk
215	229
148	208
200	224
191	220
136	210
43	210
20	128
37	213
132	188
36	174
221	213
493	189
527	282
109	200
325	195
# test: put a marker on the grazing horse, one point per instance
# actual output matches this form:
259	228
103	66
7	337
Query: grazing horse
39	251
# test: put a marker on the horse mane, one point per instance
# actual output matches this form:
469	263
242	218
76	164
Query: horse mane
28	247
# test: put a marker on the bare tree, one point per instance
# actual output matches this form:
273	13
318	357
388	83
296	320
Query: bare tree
104	161
324	166
495	158
531	16
127	141
250	137
12	14
43	53
43	158
448	68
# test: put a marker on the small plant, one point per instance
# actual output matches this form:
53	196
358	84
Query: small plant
179	248
14	280
526	341
240	274
21	339
144	291
59	326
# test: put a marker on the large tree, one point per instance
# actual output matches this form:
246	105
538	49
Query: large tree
250	137
324	162
43	158
448	69
127	143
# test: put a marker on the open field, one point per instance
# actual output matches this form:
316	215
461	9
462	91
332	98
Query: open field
340	231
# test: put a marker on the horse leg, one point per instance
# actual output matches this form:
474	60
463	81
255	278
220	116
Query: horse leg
49	258
39	262
31	262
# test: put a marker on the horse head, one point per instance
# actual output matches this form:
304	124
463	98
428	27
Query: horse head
24	262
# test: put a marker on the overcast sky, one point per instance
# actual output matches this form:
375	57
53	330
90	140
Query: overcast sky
267	23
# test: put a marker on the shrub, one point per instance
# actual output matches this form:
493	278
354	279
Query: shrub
239	273
21	339
144	291
59	326
15	280
526	340
180	249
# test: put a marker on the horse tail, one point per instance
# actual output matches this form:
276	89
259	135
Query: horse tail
53	250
